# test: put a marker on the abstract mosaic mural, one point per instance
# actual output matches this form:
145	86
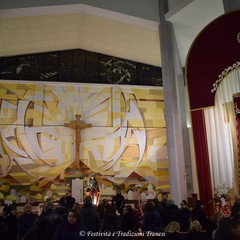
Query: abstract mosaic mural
126	143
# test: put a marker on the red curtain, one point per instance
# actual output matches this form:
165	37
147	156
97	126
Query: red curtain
202	160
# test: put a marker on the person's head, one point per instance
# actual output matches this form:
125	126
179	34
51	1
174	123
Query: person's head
142	206
198	205
183	204
155	201
217	218
92	176
196	226
72	216
61	202
170	202
105	202
48	199
111	209
27	208
172	227
68	193
7	210
118	191
101	209
228	229
76	206
164	196
148	207
128	209
48	206
237	199
87	201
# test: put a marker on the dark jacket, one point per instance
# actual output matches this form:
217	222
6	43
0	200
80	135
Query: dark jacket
67	202
129	222
111	223
185	219
198	236
5	233
171	213
90	218
25	222
199	215
66	231
151	221
44	226
119	201
62	211
235	211
11	223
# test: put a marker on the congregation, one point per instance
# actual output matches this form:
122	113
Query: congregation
115	219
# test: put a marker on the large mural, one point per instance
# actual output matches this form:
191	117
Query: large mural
125	145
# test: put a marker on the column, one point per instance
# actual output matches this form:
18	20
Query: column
179	156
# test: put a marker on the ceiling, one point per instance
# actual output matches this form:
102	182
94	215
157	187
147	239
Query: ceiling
188	17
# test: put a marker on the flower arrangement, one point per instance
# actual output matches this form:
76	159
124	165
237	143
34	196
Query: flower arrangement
221	191
222	199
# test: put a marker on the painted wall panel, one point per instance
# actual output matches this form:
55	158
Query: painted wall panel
126	144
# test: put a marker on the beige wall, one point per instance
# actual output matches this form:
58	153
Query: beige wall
61	31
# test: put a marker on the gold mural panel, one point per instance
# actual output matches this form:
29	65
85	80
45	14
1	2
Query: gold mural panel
21	104
63	102
126	143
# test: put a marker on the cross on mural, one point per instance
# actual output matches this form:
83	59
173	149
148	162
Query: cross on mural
77	125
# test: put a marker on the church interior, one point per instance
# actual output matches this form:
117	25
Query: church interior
145	94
